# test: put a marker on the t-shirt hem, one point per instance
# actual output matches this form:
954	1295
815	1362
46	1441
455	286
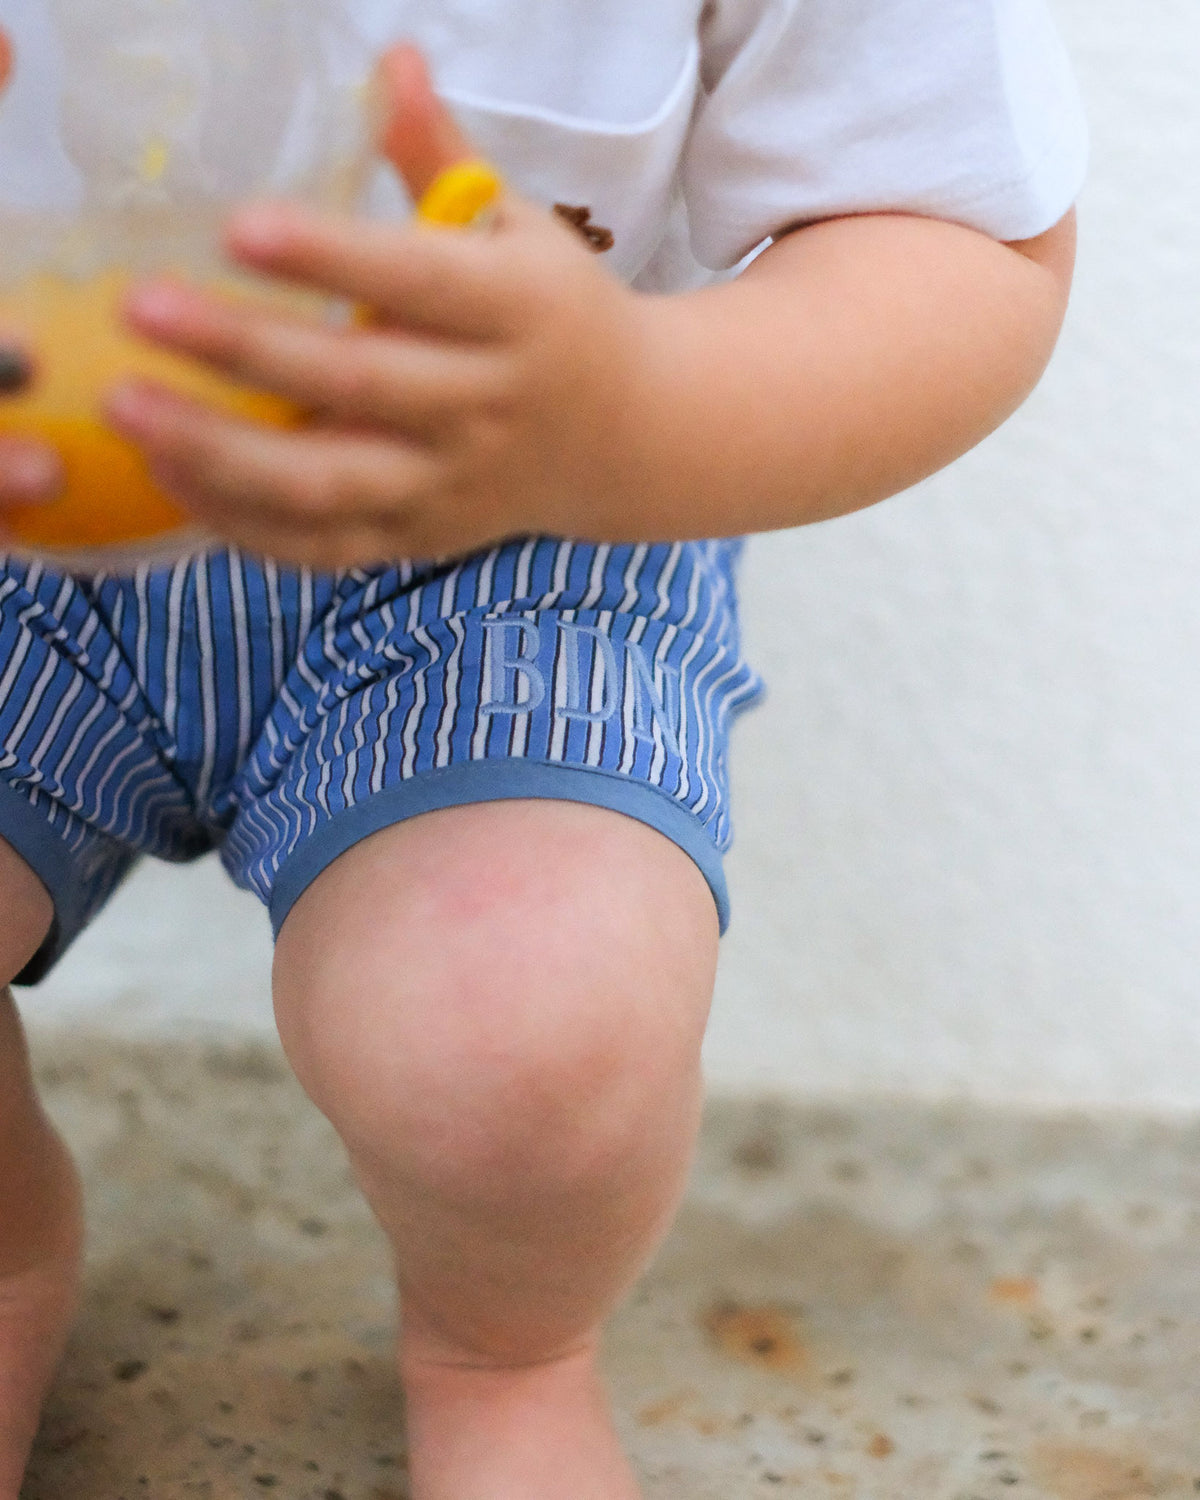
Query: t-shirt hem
1016	208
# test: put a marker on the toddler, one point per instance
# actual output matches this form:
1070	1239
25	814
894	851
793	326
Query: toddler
452	694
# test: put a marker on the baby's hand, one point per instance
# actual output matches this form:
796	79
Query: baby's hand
30	472
480	396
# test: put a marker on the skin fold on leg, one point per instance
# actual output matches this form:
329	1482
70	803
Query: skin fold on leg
500	1008
41	1226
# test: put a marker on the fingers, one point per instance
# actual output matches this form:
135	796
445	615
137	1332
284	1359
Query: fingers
29	473
6	60
307	544
432	280
236	473
348	375
419	136
426	279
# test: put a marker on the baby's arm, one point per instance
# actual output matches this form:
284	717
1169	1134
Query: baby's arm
850	360
508	384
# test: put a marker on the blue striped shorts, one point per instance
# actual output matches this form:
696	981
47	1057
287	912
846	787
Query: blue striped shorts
281	716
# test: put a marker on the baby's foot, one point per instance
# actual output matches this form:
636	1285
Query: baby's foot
541	1433
40	1249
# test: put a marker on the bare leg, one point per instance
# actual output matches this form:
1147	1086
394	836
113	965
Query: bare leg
500	1008
40	1210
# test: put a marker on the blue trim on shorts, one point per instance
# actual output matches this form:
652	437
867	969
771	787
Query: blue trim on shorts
497	781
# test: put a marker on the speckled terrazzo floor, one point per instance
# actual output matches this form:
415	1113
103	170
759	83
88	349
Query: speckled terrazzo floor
886	1301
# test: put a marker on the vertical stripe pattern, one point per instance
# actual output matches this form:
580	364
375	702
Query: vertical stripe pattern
225	703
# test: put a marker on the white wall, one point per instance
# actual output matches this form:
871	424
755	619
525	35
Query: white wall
969	816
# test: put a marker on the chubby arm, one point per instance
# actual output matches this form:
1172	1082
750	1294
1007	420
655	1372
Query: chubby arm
506	383
850	360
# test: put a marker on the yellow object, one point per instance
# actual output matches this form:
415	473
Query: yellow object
156	158
73	330
461	196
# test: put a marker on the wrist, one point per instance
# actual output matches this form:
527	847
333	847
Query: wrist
623	490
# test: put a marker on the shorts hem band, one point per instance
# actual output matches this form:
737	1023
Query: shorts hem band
26	829
498	781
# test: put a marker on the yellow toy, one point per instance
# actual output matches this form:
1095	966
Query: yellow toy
462	197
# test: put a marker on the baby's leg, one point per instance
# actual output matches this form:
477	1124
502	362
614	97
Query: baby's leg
500	1007
40	1215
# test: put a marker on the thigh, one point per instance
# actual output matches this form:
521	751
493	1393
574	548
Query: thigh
28	913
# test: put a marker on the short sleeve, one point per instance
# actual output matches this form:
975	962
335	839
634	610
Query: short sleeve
958	109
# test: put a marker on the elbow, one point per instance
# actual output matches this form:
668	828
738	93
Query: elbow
1052	258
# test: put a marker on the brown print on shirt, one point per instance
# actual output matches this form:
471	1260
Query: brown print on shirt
598	238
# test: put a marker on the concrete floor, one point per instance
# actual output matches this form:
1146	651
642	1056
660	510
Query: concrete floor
892	1302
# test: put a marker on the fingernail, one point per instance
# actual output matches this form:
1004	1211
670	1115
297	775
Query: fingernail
126	405
32	471
157	306
260	230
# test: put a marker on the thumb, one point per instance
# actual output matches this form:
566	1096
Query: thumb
418	134
6	60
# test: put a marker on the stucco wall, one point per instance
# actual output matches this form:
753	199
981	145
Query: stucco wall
969	815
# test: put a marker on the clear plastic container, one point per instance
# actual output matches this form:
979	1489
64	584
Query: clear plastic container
128	130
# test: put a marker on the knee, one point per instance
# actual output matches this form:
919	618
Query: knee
467	1090
509	1011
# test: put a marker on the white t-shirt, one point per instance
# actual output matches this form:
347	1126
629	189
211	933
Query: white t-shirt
696	130
693	129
